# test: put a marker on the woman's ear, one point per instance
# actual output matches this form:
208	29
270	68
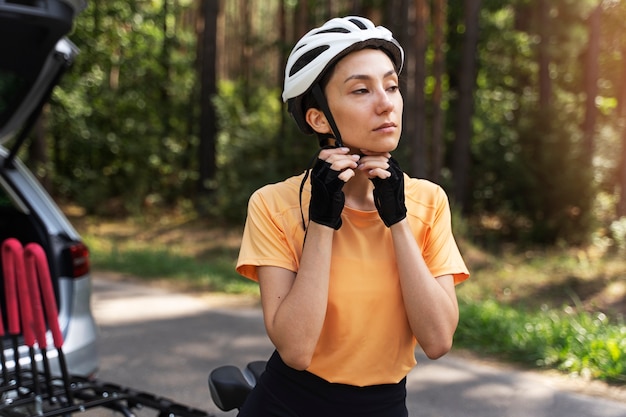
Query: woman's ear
317	120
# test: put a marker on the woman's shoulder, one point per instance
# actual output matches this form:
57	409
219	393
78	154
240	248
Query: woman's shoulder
422	186
282	193
425	201
424	192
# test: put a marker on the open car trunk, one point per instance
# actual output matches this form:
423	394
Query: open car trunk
33	54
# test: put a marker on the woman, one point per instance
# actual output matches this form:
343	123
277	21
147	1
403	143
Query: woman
372	272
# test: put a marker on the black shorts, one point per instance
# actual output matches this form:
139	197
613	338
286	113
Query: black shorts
284	392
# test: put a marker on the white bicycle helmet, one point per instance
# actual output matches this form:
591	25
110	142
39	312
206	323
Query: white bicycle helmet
320	48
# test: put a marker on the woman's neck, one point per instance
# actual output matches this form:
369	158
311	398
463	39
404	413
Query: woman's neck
358	192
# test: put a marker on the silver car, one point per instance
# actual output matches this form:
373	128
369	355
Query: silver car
34	53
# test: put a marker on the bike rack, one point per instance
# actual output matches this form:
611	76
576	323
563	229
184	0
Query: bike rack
31	311
85	394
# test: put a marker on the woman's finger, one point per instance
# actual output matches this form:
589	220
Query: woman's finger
346	175
340	162
330	152
378	172
368	163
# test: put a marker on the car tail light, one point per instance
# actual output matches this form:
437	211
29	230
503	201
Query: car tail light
80	260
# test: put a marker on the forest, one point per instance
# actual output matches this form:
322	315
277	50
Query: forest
517	108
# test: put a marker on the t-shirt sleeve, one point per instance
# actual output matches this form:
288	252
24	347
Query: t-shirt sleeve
264	240
441	252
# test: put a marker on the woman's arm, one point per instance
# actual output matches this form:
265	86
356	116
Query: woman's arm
294	304
430	303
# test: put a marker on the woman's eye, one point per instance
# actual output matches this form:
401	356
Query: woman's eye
360	91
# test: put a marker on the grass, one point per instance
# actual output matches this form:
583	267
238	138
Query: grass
577	343
189	254
159	263
562	309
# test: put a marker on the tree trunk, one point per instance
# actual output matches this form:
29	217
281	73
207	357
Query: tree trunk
621	204
545	84
417	103
591	84
399	19
437	144
463	129
282	42
246	56
164	105
301	20
208	89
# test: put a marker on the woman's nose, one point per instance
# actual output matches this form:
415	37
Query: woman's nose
384	103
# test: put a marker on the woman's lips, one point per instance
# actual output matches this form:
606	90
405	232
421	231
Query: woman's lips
386	127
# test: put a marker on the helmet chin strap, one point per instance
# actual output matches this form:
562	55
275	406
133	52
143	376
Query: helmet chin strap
326	139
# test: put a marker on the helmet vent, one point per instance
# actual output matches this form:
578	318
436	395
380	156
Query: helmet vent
306	58
333	30
360	24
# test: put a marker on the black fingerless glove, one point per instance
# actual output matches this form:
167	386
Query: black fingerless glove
327	199
389	195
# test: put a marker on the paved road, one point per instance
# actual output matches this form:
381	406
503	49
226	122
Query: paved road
167	343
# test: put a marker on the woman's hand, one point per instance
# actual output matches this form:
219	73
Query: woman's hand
328	176
340	160
388	180
374	164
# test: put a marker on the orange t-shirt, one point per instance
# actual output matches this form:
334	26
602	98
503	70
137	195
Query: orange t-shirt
366	338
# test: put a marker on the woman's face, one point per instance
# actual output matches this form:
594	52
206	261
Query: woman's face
365	100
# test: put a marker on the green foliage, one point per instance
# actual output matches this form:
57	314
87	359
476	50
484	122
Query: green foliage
617	230
557	187
578	343
246	136
124	124
253	146
122	121
528	163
